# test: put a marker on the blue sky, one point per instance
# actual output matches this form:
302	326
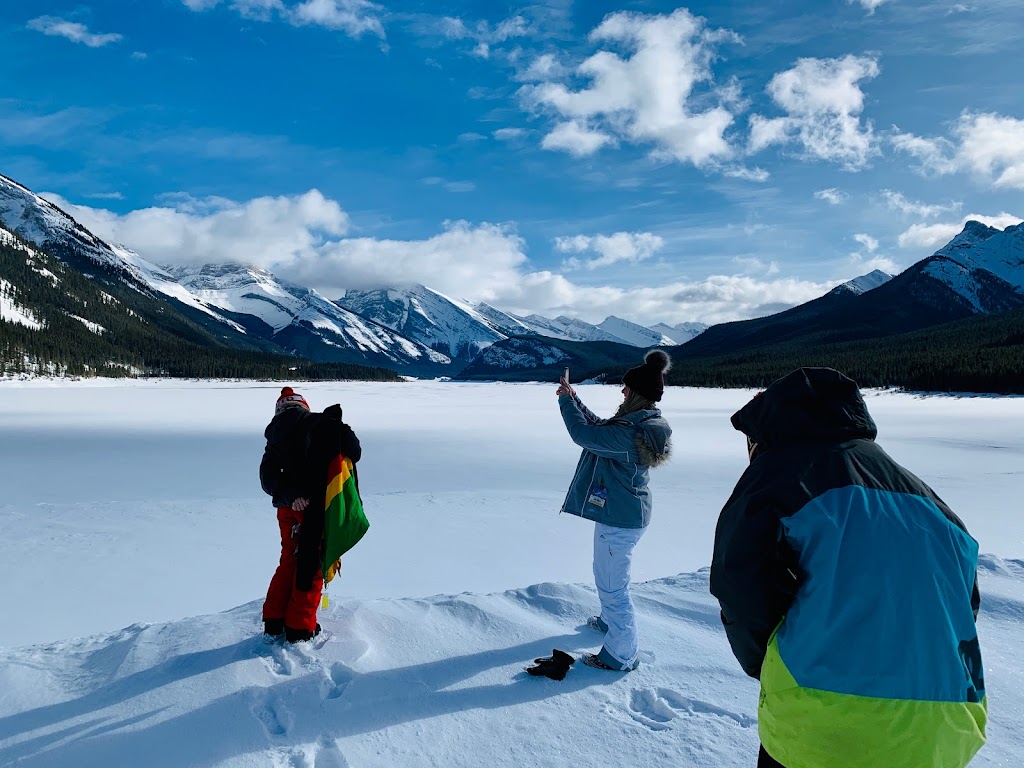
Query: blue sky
661	162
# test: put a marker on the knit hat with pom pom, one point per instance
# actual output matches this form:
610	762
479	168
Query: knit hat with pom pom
289	397
648	380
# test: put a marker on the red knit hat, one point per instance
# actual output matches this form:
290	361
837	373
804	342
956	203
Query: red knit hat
289	397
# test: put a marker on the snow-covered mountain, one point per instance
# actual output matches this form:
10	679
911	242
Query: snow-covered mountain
508	324
458	329
864	283
235	305
567	328
681	333
634	334
41	223
982	265
300	319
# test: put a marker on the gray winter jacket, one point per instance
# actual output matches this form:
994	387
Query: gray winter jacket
610	484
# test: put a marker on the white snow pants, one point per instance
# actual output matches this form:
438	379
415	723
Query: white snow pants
613	555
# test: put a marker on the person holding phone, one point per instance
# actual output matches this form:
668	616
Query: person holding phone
610	488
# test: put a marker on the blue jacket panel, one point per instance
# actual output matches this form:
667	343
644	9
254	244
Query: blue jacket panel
885	606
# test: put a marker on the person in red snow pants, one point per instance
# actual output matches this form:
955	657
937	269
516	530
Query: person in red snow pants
300	445
283	599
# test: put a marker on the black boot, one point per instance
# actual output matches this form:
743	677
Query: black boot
273	627
300	635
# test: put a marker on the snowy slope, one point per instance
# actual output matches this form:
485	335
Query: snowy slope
681	333
1001	253
634	334
39	222
407	681
12	311
569	328
505	323
435	681
285	307
864	283
454	327
983	265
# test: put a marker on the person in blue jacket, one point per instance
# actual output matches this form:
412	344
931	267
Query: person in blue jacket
610	488
848	588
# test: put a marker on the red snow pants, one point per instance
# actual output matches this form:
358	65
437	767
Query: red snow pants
284	601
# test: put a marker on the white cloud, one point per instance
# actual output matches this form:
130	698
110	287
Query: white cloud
869	5
993	146
863	265
465	260
988	145
751	264
304	239
471	136
868	259
936	155
646	98
933	236
576	139
72	30
613	249
823	102
900	203
353	17
748	174
266	231
832	196
482	33
870	243
508	134
544	67
716	299
262	10
140	55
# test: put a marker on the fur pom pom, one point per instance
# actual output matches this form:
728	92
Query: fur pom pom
659	360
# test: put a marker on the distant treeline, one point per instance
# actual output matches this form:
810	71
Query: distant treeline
979	354
133	334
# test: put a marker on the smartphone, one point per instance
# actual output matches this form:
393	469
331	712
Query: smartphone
565	375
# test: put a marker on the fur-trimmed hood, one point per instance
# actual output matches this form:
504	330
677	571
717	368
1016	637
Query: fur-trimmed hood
653	437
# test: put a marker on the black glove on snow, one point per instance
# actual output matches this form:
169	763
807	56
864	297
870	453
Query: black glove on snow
554	666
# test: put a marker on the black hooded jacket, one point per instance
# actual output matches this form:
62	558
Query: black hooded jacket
300	447
813	434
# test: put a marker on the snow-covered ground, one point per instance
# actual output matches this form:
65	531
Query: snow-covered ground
137	546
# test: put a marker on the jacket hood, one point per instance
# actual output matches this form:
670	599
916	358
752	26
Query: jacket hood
808	404
283	423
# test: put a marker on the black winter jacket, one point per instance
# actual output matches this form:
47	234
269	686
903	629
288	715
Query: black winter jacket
300	447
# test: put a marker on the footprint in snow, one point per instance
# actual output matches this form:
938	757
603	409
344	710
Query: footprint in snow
329	755
294	757
277	659
340	677
655	708
273	714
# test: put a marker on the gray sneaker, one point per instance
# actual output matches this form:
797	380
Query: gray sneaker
597	623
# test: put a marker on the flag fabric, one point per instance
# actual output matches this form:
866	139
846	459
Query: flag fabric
345	522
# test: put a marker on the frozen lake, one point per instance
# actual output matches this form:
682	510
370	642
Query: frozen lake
139	501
